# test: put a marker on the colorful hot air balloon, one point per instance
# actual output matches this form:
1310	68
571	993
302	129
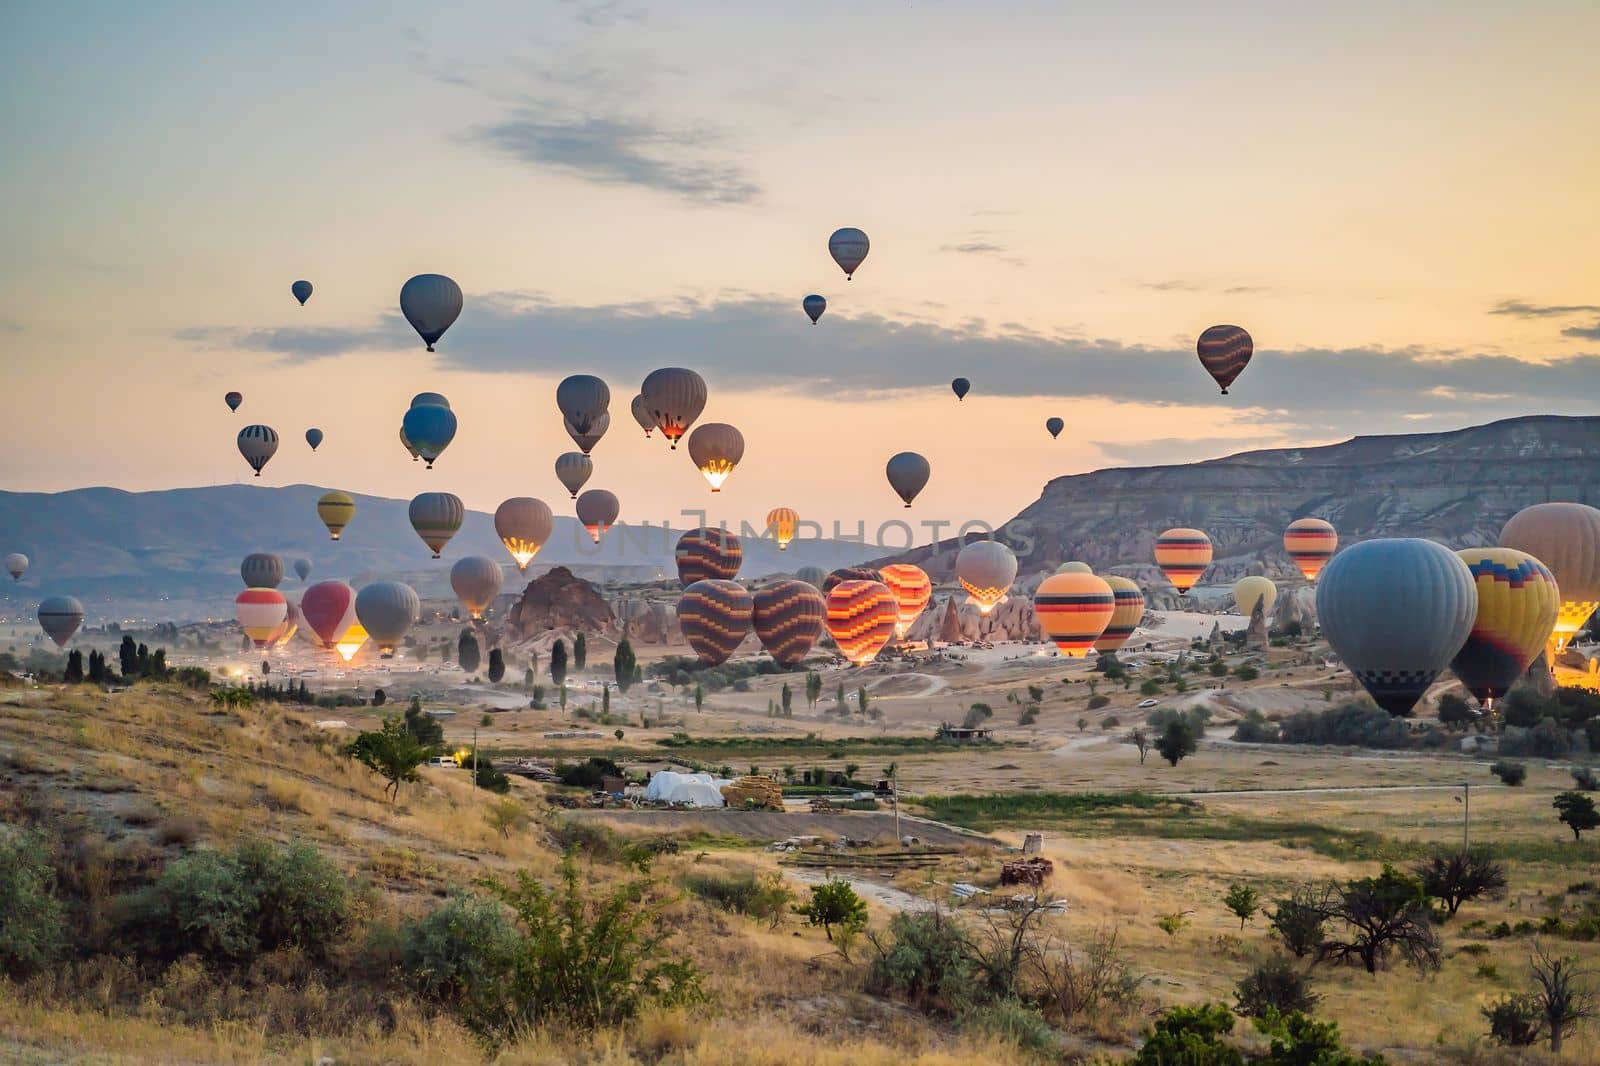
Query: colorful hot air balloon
674	397
814	305
476	582
1128	613
590	437
1183	555
782	521
1254	589
60	617
789	616
436	398
582	399
714	617
259	613
848	573
411	449
597	510
1073	610
301	291
1074	566
1518	603
1224	352
708	555
1310	543
352	641
314	437
523	524
642	415
233	400
261	571
16	565
908	473
302	569
429	428
258	444
814	576
1054	426
911	588
329	610
848	246
436	516
961	386
336	509
387	610
861	619
986	569
716	448
1396	612
1566	538
573	470
431	303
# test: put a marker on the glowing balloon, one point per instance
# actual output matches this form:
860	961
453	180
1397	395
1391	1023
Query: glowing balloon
716	448
573	470
259	612
301	291
336	509
789	617
986	568
908	473
431	303
429	428
861	619
1249	591
352	641
1518	603
436	516
1566	538
329	610
523	524
1074	610
258	444
1183	555
233	400
848	246
1125	618
813	306
60	617
961	386
261	571
288	627
708	555
1310	543
597	510
674	397
387	610
1224	351
912	590
782	521
476	582
714	617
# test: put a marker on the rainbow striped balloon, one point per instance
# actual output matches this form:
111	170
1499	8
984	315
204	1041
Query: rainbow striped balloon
708	555
848	573
789	616
1225	351
1517	606
861	618
1125	618
715	616
1310	543
1183	555
1073	610
911	588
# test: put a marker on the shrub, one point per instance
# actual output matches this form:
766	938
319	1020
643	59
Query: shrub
490	778
1246	673
835	903
1586	779
587	774
1274	985
1357	724
1254	728
1016	1023
1176	743
1192	1036
1455	877
1509	773
766	898
460	955
929	963
33	924
1513	1020
1219	669
1298	920
1098	701
1150	687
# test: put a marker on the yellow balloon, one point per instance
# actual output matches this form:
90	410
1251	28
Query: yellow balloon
336	509
1249	591
782	521
1518	603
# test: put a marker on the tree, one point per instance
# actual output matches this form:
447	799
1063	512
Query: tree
580	652
1560	994
605	699
813	688
379	697
128	658
785	698
497	666
1192	1036
1455	877
838	696
74	670
266	667
1513	1020
1577	811
1454	712
861	699
1083	724
623	663
563	694
1243	901
1141	740
850	769
558	662
468	653
1276	985
1380	914
1510	773
835	903
424	727
507	816
391	752
1177	743
977	714
699	696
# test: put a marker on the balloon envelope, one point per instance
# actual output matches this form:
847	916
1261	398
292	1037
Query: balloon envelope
259	613
523	524
1183	555
642	415
387	610
813	306
1254	589
912	589
431	303
848	246
1074	566
233	400
1125	618
261	571
587	439
16	565
781	523
812	575
908	473
302	569
435	398
708	554
597	510
861	618
985	569
429	428
313	437
60	617
961	386
336	509
328	609
1074	609
1310	543
714	617
848	573
715	449
436	516
572	470
258	444
301	291
789	617
476	582
1224	351
674	397
582	399
1566	538
1054	426
1518	602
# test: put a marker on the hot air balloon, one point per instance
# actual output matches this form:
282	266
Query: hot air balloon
429	428
1074	566
302	569
259	612
961	386
1396	612
430	302
1183	555
411	449
329	610
861	619
814	305
582	399
16	565
60	617
714	617
848	573
708	555
986	569
908	472
523	524
674	397
642	415
1310	543
573	470
911	588
476	582
1073	610
814	576
301	291
436	516
1128	613
261	571
1518	602
782	522
386	610
257	444
233	400
597	510
288	627
1054	426
848	246
789	616
351	642
336	509
313	437
589	438
716	448
1566	538
437	399
1224	352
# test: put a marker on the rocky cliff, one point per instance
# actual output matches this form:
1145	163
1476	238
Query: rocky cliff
557	600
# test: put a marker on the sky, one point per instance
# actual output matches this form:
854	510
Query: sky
1396	200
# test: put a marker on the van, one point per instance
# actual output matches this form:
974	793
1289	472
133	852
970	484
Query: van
445	761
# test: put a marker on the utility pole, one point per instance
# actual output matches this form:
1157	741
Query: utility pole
894	797
474	758
1466	817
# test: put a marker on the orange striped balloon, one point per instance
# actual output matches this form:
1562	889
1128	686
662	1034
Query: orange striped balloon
1310	543
715	616
1073	610
1224	351
1127	616
789	616
782	522
911	588
848	573
861	618
1183	555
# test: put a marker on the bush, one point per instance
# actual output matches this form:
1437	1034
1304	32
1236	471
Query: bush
1098	700
930	964
460	955
490	778
33	924
1586	779
1254	728
1357	724
1509	773
1016	1023
766	898
1150	687
587	774
1275	985
835	903
1247	673
1513	1020
1219	669
1298	920
1192	1036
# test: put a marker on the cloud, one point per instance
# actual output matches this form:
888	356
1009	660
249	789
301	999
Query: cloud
1173	285
601	13
1181	285
1586	333
303	344
984	246
1522	309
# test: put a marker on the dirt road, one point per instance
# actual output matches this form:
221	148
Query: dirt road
771	825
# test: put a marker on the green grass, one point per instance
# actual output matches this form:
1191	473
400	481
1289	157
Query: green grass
1005	809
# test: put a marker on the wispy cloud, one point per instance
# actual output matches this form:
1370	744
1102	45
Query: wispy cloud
982	243
1523	309
1585	333
1185	285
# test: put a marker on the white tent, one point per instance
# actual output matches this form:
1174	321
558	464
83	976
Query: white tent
697	794
697	790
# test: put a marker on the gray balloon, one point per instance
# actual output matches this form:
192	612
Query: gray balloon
597	510
387	610
261	571
302	568
476	582
908	472
431	303
573	469
812	575
582	398
60	617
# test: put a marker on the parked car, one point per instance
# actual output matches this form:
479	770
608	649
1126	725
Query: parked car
1148	703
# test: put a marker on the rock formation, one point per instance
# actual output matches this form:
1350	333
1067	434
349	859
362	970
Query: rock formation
556	600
